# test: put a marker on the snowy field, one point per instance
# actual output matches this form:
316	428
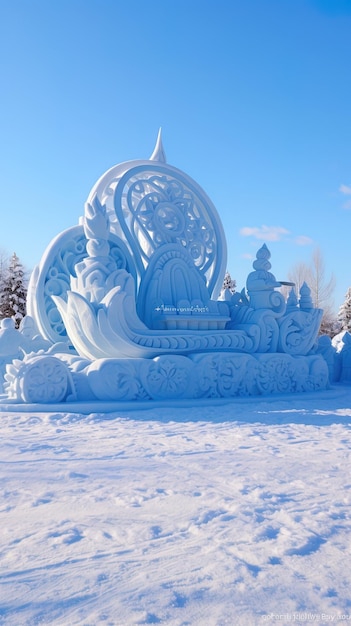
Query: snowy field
230	514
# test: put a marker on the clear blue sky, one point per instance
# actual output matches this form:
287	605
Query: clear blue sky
253	97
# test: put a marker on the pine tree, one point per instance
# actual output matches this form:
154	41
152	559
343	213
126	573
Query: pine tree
3	268
13	292
229	283
345	312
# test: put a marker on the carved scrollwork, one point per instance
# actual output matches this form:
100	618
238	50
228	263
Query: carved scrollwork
115	379
226	376
277	373
157	205
298	331
53	278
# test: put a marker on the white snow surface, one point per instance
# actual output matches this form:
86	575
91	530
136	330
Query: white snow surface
234	514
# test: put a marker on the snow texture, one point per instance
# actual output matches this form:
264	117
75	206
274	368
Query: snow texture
234	514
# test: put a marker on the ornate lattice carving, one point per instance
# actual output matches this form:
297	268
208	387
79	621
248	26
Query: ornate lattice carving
156	205
53	278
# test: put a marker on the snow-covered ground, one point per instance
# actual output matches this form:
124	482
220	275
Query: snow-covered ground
225	514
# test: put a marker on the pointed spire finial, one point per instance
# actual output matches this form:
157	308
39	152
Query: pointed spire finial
158	153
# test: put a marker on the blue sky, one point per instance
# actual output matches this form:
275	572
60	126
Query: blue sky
254	101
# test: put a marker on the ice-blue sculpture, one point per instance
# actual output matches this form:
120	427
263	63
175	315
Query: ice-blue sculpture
129	304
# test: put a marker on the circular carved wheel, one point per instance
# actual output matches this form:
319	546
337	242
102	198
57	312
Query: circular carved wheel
45	380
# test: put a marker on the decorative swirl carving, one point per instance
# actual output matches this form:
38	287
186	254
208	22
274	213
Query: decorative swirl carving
282	373
45	380
277	303
53	278
237	377
167	212
112	379
299	330
157	205
57	280
276	374
226	376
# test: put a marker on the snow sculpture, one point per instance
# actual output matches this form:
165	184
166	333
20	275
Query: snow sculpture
128	302
341	346
14	343
327	350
